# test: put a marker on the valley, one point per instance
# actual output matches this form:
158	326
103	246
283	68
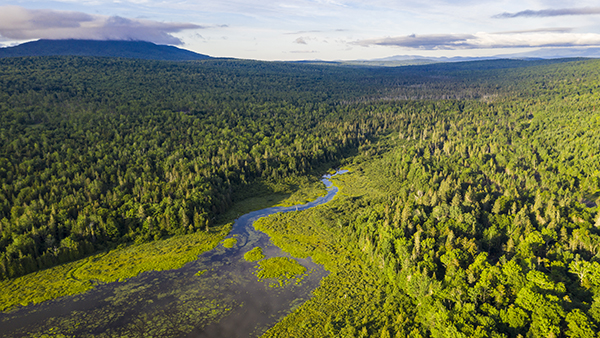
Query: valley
470	208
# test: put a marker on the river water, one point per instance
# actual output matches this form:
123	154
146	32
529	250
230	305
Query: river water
217	295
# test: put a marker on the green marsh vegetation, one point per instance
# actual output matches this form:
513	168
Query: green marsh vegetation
229	243
254	255
187	308
306	190
122	263
282	269
354	292
118	264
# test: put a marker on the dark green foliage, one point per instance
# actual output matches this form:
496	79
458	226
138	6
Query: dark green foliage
487	212
98	152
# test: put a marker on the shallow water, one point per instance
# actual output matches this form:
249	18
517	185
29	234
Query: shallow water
227	300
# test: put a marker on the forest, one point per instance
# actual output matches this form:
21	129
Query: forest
470	210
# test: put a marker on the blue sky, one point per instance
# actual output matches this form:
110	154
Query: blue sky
313	29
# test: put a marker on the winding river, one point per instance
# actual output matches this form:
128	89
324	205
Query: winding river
217	295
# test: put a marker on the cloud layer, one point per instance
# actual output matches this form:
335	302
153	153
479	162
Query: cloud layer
18	23
550	12
269	29
487	40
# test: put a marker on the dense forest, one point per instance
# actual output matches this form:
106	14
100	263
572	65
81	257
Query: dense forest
479	218
98	152
472	201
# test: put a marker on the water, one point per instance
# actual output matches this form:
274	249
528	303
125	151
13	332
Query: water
227	300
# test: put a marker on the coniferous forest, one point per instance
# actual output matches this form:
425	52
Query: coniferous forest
470	209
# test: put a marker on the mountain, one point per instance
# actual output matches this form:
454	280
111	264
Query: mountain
545	53
432	59
556	53
123	49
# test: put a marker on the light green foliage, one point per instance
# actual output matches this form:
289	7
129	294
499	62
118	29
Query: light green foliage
307	191
514	317
169	254
353	297
579	325
229	243
282	269
42	285
118	264
254	255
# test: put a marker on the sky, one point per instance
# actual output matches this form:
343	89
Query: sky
313	29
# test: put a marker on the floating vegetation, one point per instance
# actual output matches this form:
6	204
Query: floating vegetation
254	255
229	243
283	269
120	264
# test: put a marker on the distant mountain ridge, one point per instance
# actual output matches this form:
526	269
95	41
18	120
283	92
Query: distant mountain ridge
419	60
547	53
124	49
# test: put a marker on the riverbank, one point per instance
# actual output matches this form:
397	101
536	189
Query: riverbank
353	300
171	253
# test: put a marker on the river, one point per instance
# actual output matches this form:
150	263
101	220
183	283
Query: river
217	295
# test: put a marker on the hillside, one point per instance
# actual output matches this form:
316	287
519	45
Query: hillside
122	49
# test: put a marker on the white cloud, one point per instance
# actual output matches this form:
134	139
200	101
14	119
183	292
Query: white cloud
519	39
18	23
303	51
263	29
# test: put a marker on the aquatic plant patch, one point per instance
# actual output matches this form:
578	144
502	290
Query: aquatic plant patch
229	242
283	269
254	255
